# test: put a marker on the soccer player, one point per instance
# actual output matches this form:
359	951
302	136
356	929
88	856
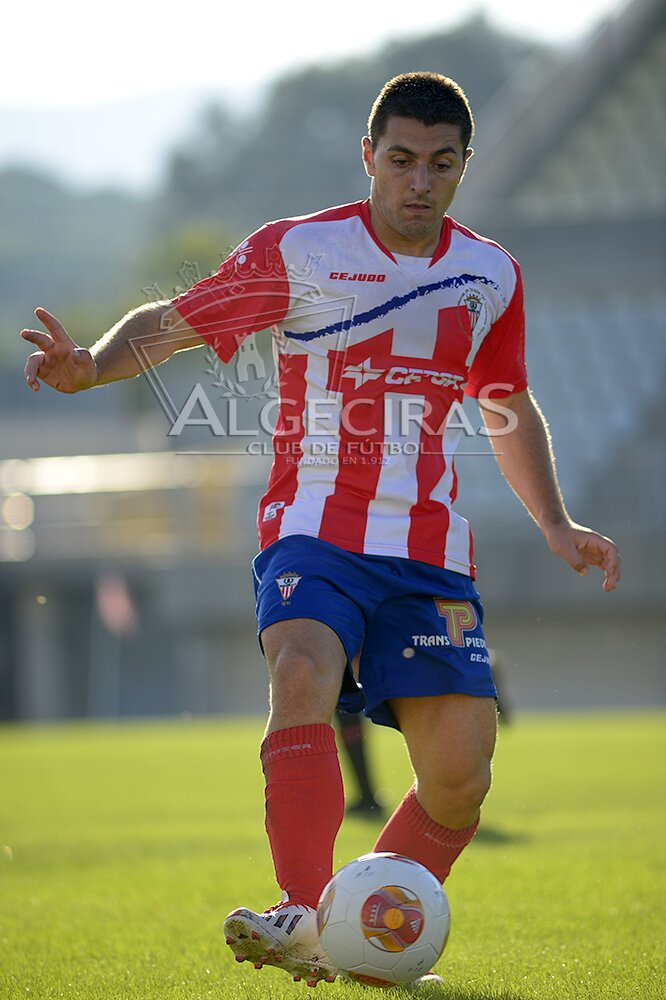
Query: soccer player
385	311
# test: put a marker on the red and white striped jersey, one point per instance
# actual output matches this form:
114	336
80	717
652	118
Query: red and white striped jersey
373	350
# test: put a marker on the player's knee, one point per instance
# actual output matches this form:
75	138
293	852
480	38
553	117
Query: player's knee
299	677
467	797
477	787
460	795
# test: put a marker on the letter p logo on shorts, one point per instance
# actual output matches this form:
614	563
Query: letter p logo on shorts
460	616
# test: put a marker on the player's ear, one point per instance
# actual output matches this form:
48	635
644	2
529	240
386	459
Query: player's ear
368	156
468	154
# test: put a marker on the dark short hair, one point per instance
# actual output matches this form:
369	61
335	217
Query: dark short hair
430	98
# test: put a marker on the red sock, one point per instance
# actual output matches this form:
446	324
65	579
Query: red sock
410	831
304	807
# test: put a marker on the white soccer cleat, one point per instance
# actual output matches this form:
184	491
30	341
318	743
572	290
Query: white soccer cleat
284	936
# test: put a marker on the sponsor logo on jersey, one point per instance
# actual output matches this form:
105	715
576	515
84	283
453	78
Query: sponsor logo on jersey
400	375
271	510
287	584
460	618
363	373
356	276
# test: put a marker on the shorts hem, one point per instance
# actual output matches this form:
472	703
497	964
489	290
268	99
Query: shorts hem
274	619
380	713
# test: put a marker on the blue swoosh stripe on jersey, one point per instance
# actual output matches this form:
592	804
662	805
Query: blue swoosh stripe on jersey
392	305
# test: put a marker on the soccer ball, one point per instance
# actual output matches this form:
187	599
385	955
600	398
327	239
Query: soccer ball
383	919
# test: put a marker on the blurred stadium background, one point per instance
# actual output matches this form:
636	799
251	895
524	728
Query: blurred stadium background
124	578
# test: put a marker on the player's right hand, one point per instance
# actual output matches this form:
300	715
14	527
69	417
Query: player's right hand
58	362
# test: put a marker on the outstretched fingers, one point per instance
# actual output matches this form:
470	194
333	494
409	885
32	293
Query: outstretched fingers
40	339
53	325
57	357
55	336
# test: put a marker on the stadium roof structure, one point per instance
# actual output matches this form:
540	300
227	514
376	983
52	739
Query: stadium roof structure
588	143
569	176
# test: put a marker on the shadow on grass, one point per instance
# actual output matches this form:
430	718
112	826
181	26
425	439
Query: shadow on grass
435	993
461	993
491	836
487	835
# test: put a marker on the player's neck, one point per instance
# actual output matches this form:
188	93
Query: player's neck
423	246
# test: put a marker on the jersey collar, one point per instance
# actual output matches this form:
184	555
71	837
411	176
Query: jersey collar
440	249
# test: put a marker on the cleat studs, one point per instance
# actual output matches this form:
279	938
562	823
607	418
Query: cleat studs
297	979
229	939
241	958
270	951
278	958
258	965
329	979
255	935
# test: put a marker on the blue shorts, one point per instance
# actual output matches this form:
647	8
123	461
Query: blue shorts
418	628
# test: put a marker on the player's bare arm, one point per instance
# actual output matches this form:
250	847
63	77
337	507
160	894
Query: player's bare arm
525	457
143	338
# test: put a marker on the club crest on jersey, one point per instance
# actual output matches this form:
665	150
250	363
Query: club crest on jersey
476	305
287	584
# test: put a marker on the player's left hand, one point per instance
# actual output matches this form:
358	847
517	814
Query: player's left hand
581	548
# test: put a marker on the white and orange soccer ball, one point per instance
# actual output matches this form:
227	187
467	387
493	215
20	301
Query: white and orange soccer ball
383	919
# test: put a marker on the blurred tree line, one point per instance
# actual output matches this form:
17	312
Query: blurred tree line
90	257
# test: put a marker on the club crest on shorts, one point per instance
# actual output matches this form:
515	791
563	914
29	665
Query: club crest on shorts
287	584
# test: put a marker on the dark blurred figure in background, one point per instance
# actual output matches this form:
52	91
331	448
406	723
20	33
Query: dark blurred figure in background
497	665
353	734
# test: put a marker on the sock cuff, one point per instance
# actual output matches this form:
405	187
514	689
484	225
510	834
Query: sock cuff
423	824
297	740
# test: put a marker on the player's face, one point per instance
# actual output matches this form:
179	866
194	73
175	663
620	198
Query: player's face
415	171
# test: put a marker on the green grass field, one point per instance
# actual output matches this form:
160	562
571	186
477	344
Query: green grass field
125	846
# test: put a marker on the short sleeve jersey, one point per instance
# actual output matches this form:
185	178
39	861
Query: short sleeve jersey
372	355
